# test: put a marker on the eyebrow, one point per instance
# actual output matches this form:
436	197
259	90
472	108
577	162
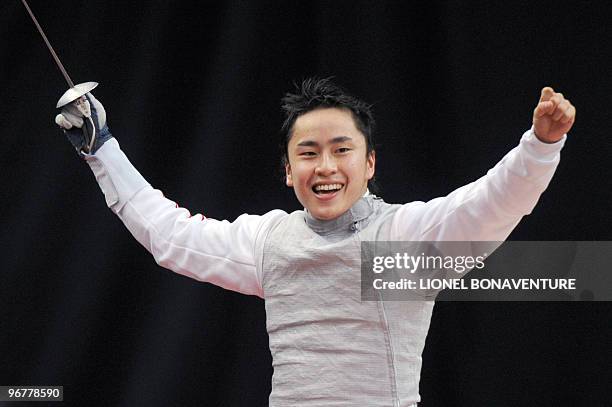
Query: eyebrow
335	140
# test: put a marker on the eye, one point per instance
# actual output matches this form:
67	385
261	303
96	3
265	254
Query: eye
308	153
342	150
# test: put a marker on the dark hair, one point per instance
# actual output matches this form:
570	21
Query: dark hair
315	93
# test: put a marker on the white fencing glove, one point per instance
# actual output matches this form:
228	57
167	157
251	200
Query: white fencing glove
82	120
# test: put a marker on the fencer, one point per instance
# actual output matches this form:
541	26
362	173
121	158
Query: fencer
328	347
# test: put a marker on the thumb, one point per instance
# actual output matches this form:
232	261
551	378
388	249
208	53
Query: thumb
61	121
546	94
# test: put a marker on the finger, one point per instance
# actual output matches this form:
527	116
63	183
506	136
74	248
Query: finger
561	110
557	99
98	108
570	115
61	121
72	114
546	94
91	98
95	103
543	108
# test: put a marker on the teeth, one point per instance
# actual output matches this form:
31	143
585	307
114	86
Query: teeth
329	187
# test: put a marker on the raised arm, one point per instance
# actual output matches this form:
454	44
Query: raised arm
489	208
218	252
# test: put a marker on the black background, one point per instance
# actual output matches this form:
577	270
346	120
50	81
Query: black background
192	93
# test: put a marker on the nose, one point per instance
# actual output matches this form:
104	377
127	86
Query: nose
326	166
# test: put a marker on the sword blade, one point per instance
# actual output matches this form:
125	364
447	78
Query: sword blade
53	53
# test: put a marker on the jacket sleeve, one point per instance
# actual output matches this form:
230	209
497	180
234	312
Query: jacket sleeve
489	208
218	252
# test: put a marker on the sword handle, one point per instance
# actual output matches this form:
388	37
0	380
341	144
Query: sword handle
88	131
88	128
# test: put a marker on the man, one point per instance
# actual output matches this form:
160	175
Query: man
328	347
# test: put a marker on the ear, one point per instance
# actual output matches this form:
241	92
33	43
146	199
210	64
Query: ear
289	179
371	165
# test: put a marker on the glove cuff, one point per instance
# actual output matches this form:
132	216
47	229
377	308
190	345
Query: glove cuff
102	136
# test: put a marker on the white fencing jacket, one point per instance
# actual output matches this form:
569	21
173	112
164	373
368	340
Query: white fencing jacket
328	347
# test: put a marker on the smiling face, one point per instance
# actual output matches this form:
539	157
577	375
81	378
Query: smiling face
328	166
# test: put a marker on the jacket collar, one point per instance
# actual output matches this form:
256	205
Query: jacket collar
350	220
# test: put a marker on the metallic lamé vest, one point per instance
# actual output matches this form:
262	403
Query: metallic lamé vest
329	348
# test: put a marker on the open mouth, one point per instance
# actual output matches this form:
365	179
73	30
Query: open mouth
325	189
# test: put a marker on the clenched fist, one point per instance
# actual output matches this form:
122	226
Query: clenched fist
553	117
